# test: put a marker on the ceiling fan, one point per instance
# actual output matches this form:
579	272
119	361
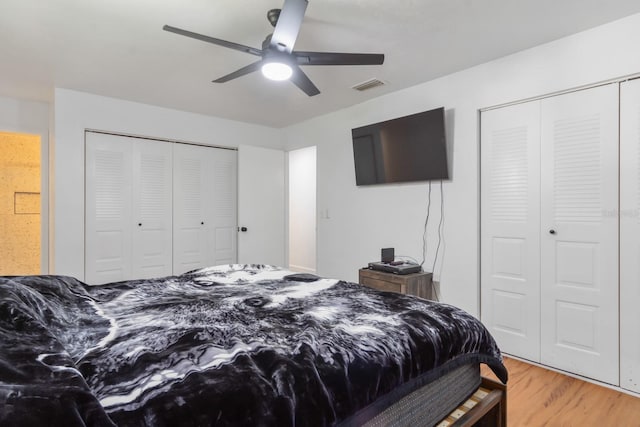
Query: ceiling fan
278	59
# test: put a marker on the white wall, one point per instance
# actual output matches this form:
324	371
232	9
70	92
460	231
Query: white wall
362	220
77	111
32	117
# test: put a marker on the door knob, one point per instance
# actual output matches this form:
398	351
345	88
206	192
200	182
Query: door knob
552	231
243	229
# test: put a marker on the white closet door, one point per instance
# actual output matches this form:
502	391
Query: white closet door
192	201
261	203
510	224
579	236
630	235
222	226
152	204
108	208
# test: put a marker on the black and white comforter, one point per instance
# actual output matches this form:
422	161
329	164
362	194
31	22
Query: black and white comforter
231	345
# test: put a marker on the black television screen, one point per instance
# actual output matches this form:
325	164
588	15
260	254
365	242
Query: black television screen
406	149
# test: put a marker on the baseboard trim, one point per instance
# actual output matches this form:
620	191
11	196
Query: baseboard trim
302	269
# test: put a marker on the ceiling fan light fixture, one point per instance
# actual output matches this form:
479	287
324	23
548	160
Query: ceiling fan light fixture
278	59
277	71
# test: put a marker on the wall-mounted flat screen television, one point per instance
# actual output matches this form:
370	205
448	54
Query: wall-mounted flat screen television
406	149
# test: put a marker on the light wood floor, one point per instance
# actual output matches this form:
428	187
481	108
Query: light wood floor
539	397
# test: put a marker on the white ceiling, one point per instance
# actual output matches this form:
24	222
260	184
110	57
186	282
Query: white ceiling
117	48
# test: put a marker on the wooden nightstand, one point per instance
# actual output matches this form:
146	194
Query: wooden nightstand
418	284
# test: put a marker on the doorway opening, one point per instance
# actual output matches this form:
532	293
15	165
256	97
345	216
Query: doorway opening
20	207
302	210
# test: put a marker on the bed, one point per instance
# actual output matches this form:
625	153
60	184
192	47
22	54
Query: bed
231	346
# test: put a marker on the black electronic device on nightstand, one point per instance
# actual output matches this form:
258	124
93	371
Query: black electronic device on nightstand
387	255
395	267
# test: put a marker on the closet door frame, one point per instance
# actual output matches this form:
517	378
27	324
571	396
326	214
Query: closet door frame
630	235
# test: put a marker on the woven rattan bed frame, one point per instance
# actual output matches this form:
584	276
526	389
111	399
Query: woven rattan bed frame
459	398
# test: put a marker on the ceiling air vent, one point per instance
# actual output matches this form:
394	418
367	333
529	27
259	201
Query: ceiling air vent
369	84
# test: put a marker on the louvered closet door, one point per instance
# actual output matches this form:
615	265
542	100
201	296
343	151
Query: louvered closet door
152	205
222	231
191	203
510	227
205	207
579	236
108	208
630	235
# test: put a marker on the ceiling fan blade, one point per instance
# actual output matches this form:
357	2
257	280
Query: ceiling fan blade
333	58
239	73
219	42
288	26
300	79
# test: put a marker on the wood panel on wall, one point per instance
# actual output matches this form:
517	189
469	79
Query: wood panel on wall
19	204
